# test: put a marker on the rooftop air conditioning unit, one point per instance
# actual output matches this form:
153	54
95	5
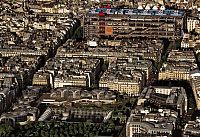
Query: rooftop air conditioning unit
92	43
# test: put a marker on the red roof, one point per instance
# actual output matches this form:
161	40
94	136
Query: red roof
108	6
101	14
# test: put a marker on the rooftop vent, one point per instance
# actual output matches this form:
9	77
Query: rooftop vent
140	7
155	8
162	8
147	7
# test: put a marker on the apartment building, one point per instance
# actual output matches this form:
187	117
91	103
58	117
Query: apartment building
126	82
20	67
178	66
78	52
176	70
195	84
145	49
157	111
191	23
126	76
146	123
41	79
21	115
47	7
184	55
73	71
192	128
188	42
173	98
196	46
174	74
63	81
23	110
144	66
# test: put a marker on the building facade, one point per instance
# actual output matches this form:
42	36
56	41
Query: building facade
127	23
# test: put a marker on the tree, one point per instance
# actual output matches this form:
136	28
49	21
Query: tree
6	129
127	112
71	130
80	128
51	132
198	57
104	67
56	134
43	133
78	34
62	135
128	104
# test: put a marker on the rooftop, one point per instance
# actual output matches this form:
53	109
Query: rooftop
133	12
192	127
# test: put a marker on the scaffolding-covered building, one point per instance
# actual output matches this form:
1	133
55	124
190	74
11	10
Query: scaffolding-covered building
130	23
